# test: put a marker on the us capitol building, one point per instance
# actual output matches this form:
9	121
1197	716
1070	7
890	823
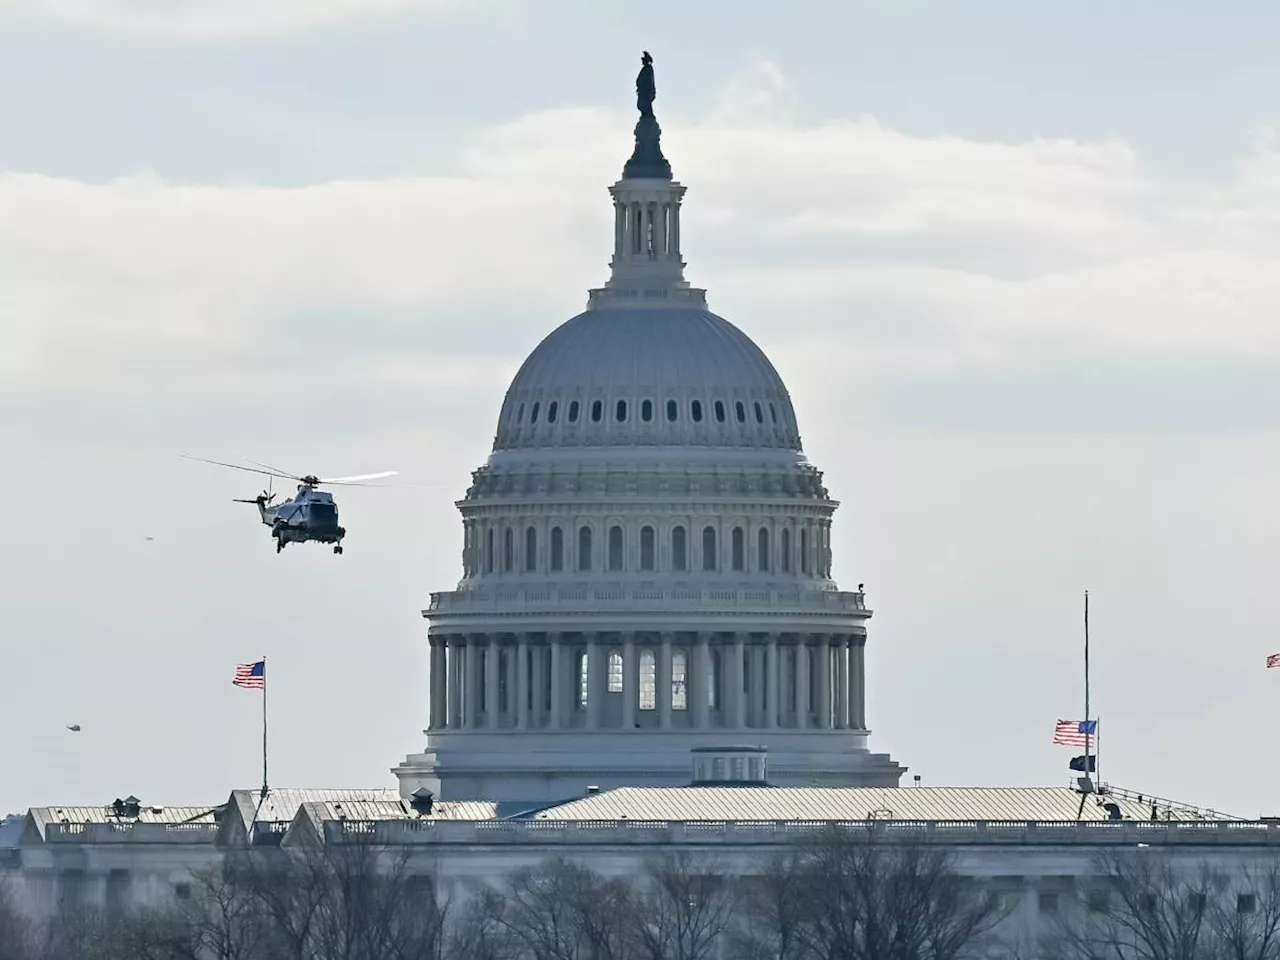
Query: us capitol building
646	650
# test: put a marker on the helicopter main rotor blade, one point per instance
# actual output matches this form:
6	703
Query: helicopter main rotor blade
236	466
278	471
351	481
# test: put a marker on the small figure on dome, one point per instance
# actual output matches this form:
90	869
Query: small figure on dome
645	89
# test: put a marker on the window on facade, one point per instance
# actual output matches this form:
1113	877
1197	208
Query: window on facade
182	891
804	549
740	411
615	671
508	550
646	548
553	408
530	549
533	415
557	549
1246	903
482	688
648	681
583	678
646	410
1097	900
786	550
708	548
597	411
1047	901
488	551
573	411
762	549
620	411
673	410
679	549
679	679
759	413
584	548
773	413
695	411
738	548
615	548
719	411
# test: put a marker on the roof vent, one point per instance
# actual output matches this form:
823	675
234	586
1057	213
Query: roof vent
736	765
592	789
421	800
1113	811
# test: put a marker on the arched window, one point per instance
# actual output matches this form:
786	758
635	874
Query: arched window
679	681
620	411
573	411
679	549
646	410
646	548
786	550
615	548
597	411
557	549
584	675
762	549
584	548
673	410
695	411
553	408
648	681
488	551
708	548
738	548
740	411
508	550
530	549
804	549
719	412
615	671
533	416
759	413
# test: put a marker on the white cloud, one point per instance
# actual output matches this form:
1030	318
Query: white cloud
227	19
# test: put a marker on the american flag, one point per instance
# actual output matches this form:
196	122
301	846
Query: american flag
1273	660
1075	733
251	675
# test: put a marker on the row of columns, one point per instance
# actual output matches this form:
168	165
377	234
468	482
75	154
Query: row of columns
535	681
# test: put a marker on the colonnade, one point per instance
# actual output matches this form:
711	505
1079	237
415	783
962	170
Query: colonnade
647	680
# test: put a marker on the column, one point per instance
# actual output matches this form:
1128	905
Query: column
802	682
594	691
858	689
700	681
771	683
491	664
842	683
538	685
522	682
556	720
619	230
457	650
756	707
434	685
664	683
471	700
738	699
630	681
823	652
510	681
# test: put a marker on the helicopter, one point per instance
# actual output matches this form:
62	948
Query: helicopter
310	514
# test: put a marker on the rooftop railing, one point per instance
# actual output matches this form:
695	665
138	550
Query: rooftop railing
131	833
597	595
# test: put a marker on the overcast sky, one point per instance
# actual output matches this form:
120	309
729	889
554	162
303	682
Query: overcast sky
1019	264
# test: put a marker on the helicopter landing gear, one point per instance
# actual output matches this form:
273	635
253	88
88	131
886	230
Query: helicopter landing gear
279	544
337	548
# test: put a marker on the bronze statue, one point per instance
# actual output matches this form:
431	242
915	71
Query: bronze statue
645	89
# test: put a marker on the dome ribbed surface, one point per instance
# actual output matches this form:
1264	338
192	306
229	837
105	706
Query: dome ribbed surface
633	355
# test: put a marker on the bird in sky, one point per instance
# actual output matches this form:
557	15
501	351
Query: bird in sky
73	727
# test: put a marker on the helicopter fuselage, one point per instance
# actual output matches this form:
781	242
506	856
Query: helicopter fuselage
309	515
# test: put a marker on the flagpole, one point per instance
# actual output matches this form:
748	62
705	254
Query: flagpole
264	726
1087	737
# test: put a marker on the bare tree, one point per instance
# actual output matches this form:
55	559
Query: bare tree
480	933
773	910
1245	916
561	910
17	935
681	908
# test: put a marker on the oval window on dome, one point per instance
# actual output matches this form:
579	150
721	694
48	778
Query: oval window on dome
646	410
573	411
597	411
695	411
741	411
553	408
533	414
719	411
773	412
520	414
759	413
620	411
673	410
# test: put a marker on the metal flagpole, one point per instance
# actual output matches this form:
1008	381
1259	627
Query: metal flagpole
264	726
1087	736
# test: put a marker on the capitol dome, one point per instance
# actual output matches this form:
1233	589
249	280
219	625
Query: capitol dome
646	555
623	375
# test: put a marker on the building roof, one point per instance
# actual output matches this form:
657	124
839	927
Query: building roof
282	804
728	803
40	817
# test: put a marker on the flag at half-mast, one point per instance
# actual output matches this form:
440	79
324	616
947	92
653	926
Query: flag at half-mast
1273	660
1075	733
251	675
